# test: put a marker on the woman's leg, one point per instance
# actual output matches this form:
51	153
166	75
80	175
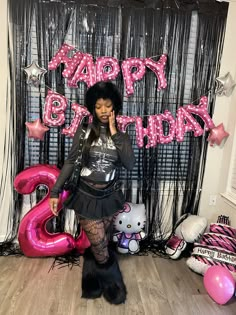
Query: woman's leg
107	271
96	233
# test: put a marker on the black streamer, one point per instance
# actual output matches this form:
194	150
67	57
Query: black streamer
165	177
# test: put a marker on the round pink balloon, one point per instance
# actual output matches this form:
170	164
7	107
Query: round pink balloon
219	283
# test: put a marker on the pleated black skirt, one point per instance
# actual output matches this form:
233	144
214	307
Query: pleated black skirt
93	203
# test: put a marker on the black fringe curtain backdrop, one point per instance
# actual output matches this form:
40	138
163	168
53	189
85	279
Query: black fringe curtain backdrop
167	178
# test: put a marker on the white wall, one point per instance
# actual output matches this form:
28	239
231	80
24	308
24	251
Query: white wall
218	157
3	76
6	191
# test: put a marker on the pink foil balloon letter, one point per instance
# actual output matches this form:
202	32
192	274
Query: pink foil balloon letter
34	239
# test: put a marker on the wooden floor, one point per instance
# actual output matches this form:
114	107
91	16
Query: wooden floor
155	286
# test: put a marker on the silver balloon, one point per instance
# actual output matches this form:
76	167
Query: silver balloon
34	74
224	85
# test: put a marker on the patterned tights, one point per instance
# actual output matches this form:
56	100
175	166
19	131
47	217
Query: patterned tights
96	231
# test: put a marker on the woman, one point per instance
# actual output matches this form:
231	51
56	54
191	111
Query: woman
99	196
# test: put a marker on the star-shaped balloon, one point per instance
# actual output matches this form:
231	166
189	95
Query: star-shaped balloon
225	85
34	74
217	134
36	129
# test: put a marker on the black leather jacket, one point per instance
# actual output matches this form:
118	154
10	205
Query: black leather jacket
124	156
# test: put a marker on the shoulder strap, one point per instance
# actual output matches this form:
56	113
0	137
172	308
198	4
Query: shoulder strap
80	148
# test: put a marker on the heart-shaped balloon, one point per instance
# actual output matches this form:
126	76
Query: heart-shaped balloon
219	283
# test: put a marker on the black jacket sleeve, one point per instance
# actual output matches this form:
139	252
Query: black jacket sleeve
124	149
68	166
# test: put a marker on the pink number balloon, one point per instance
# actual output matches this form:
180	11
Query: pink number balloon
34	239
219	283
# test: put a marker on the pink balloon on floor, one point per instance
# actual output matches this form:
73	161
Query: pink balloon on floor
219	283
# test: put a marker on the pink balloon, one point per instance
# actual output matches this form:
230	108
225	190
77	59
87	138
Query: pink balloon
201	111
34	239
158	69
167	116
223	228
184	123
85	72
220	240
109	63
219	283
82	242
150	132
204	256
129	76
36	129
217	134
124	121
72	64
60	57
140	132
80	113
54	109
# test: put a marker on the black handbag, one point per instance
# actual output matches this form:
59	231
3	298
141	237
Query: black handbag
72	183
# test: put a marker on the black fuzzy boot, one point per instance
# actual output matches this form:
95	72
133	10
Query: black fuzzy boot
91	286
114	290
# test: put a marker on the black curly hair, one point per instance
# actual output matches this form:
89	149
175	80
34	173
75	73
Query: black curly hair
105	90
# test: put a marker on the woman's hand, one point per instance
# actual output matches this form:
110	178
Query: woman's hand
112	123
53	203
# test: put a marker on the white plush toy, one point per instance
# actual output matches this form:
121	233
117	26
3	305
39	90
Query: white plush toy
189	230
129	224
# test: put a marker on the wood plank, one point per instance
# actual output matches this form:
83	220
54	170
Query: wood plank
153	295
155	285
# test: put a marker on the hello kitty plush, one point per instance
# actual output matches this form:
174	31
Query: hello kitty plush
129	224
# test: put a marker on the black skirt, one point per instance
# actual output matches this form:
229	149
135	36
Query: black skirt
92	203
